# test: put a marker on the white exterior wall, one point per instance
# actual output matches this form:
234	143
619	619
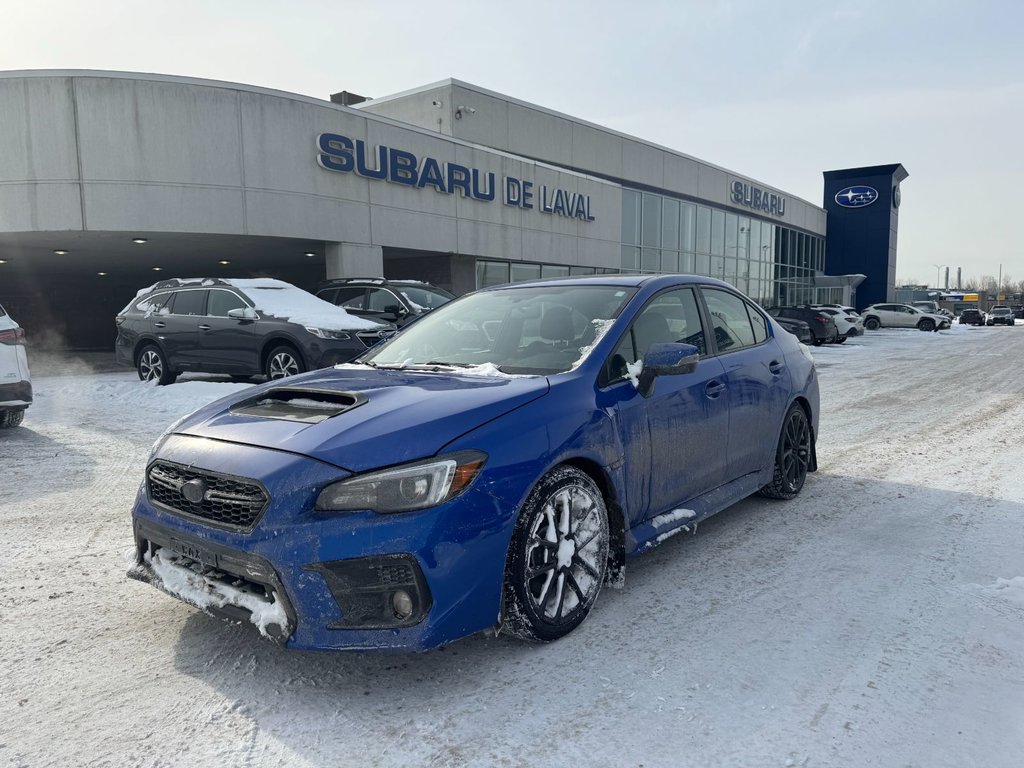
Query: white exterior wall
96	151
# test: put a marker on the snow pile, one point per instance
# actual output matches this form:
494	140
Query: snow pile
1008	589
670	517
204	593
633	372
284	300
601	327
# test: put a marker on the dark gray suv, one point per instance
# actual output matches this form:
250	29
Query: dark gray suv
241	327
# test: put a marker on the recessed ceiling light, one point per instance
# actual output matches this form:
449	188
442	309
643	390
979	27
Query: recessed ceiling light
310	254
139	240
61	253
101	274
224	262
157	269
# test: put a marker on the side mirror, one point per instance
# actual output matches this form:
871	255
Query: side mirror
242	313
666	359
396	309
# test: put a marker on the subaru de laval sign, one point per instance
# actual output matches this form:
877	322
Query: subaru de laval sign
345	155
856	197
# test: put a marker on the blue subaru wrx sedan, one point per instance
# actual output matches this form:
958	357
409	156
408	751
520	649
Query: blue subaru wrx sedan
491	466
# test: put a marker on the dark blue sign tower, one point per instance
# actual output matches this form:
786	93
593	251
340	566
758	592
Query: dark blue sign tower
863	216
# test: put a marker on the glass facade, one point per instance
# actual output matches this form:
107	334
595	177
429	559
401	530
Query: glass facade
770	263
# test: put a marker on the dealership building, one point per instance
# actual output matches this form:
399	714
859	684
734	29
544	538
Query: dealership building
110	181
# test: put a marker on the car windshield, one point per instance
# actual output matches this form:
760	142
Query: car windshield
538	329
423	296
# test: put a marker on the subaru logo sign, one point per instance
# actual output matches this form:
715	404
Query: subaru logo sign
856	197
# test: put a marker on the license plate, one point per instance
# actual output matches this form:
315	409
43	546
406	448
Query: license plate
194	552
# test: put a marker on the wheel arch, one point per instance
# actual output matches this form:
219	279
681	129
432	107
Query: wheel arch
142	343
281	340
804	403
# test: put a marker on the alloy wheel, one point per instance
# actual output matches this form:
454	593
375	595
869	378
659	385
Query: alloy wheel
795	455
283	364
151	366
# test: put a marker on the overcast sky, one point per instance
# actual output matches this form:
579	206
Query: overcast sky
779	91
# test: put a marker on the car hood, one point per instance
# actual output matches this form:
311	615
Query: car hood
395	416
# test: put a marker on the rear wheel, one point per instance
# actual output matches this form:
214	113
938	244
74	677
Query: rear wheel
841	340
872	324
11	418
558	557
283	361
152	366
792	456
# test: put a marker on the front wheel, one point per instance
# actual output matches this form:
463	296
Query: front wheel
558	557
152	366
11	418
283	361
792	456
926	325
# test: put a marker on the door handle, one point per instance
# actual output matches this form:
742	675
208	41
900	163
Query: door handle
159	324
714	388
776	367
204	327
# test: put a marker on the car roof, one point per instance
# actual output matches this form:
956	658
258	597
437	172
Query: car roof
620	280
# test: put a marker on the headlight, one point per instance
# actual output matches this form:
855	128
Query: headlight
406	488
322	333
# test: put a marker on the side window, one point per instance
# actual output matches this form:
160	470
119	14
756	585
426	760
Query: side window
328	295
188	303
221	302
380	299
730	319
671	316
758	324
351	297
158	304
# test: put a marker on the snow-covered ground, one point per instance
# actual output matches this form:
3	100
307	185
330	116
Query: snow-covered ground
877	620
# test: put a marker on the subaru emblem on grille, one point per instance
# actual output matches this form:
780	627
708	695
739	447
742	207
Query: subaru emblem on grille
194	490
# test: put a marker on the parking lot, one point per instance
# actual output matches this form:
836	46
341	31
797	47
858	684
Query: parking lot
875	620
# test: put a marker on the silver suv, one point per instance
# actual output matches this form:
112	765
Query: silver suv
15	379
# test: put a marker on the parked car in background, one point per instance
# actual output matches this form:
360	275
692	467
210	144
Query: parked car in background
972	317
1018	312
931	307
486	468
848	324
798	328
902	316
821	323
15	378
241	327
394	301
845	307
1000	316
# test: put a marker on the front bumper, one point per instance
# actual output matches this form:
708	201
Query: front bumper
324	570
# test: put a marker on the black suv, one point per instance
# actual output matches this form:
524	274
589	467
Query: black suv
972	317
823	327
395	301
239	327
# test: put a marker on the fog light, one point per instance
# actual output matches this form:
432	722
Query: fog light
402	604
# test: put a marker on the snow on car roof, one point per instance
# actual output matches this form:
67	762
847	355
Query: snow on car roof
279	299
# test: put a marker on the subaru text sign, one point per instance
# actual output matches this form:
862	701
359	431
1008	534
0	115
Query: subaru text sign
856	197
345	155
758	199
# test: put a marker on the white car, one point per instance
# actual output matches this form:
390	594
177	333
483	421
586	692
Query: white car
902	316
15	379
848	322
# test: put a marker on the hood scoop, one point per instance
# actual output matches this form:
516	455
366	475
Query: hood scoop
305	405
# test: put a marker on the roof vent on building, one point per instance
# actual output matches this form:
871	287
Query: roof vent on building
347	99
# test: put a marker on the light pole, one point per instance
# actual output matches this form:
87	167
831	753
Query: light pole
938	273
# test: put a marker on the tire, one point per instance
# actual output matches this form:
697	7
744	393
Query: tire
11	418
818	342
841	340
872	324
792	456
926	325
151	365
551	583
283	361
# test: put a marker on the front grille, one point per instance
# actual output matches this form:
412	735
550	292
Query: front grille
369	338
223	500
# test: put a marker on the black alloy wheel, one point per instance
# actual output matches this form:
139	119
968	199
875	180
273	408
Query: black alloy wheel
558	557
872	324
792	456
926	325
283	361
152	366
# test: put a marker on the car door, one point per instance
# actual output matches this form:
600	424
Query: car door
227	344
177	328
756	379
674	441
